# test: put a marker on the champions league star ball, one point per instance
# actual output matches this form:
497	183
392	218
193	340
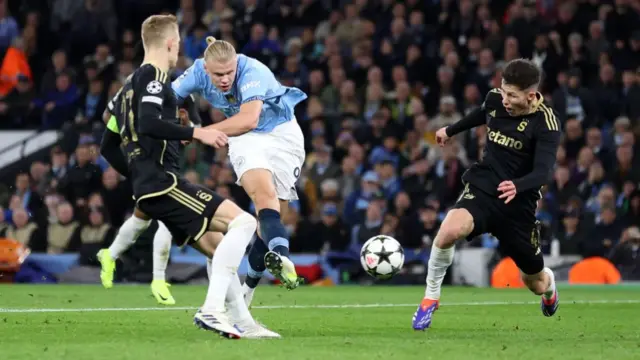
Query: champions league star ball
382	257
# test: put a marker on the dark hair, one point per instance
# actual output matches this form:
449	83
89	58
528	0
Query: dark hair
522	73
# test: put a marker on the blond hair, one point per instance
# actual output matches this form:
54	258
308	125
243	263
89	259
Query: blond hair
155	27
218	50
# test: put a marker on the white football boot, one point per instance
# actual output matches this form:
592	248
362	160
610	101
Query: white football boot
217	322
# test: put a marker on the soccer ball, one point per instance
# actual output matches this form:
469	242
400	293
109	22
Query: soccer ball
382	257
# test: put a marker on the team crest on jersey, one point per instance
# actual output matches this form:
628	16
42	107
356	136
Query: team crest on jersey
154	87
239	162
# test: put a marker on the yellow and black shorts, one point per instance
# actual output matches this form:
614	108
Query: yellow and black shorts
513	224
186	209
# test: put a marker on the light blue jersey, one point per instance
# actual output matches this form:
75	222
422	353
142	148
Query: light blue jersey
254	81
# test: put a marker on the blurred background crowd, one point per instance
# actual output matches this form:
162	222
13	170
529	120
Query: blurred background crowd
382	76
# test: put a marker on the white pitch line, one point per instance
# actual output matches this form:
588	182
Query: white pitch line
343	306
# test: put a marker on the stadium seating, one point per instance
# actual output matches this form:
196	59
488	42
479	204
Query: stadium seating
382	77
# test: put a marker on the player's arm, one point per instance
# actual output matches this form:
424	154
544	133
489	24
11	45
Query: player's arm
477	117
106	115
110	110
253	90
547	143
151	94
242	122
110	147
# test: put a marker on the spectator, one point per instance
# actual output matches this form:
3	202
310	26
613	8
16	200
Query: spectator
58	106
39	180
262	48
195	43
8	27
370	226
192	160
59	64
93	24
381	77
625	254
14	66
606	233
324	167
29	199
64	234
103	61
97	234
82	179
575	101
59	165
15	107
23	231
631	208
219	11
93	101
302	232
572	234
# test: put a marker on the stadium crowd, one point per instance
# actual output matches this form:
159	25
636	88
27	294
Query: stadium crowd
382	76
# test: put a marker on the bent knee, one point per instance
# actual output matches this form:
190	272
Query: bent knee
263	196
457	225
245	221
209	242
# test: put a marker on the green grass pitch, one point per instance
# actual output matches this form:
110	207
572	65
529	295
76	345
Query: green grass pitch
87	322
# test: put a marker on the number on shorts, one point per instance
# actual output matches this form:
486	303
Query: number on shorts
205	196
535	235
466	194
296	172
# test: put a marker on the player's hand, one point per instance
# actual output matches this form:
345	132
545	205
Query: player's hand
508	190
211	137
441	136
183	115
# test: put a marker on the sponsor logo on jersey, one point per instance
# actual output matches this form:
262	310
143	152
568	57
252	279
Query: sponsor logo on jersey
501	139
249	85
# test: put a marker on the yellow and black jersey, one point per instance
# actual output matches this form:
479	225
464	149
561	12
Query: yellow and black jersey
146	115
111	140
518	148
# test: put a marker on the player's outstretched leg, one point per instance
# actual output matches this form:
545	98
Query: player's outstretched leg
258	183
543	283
239	314
161	249
458	224
239	227
126	237
256	268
